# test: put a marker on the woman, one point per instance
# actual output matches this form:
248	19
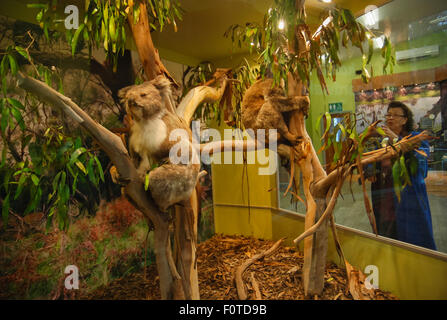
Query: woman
409	219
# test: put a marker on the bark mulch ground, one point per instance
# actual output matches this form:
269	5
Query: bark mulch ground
277	276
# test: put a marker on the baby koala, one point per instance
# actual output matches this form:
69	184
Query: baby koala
263	106
151	106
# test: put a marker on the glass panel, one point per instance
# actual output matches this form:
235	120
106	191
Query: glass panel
418	31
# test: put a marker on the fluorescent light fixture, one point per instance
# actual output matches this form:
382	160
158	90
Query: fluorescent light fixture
326	1
281	25
378	42
371	17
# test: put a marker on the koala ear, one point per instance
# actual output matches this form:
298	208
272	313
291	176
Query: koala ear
161	83
123	92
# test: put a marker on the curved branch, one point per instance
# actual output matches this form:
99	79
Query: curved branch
199	95
241	292
309	231
404	145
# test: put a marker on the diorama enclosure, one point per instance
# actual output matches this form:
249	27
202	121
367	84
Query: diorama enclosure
232	149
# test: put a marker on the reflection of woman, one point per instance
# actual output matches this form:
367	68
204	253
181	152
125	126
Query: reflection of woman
410	219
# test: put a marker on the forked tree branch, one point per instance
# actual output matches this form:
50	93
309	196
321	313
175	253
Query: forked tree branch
389	152
108	141
198	95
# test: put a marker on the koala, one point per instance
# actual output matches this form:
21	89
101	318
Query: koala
264	105
152	110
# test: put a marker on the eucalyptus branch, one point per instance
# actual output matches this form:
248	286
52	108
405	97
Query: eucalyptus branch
198	95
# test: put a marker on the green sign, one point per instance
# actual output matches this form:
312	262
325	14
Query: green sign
335	107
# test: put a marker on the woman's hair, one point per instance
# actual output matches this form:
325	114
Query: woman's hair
409	126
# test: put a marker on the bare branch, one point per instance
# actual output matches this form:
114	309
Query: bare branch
242	293
199	95
330	207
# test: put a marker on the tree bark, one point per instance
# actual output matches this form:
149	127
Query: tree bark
315	246
148	54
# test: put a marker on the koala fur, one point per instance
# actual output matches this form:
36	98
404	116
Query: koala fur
151	107
263	106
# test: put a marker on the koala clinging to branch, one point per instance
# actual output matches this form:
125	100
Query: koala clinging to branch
263	106
151	107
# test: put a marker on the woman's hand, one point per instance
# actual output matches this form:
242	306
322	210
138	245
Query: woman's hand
390	134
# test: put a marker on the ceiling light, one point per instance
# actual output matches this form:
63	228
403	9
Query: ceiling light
326	1
281	25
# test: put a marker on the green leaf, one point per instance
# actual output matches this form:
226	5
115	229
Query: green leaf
56	180
22	52
318	124
12	64
146	181
91	174
74	41
16	103
396	179
404	172
37	6
3	67
380	131
101	172
81	166
328	122
35	179
39	16
5	211
45	31
18	116
21	184
73	187
112	30
76	154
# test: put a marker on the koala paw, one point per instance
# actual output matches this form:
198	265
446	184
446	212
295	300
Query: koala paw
294	139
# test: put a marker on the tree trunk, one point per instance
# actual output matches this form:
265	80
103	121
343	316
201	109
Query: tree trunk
148	54
315	246
180	280
186	240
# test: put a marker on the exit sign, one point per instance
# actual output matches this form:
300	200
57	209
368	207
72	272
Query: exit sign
335	107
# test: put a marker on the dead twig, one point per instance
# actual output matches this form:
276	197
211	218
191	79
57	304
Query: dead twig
255	285
241	291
